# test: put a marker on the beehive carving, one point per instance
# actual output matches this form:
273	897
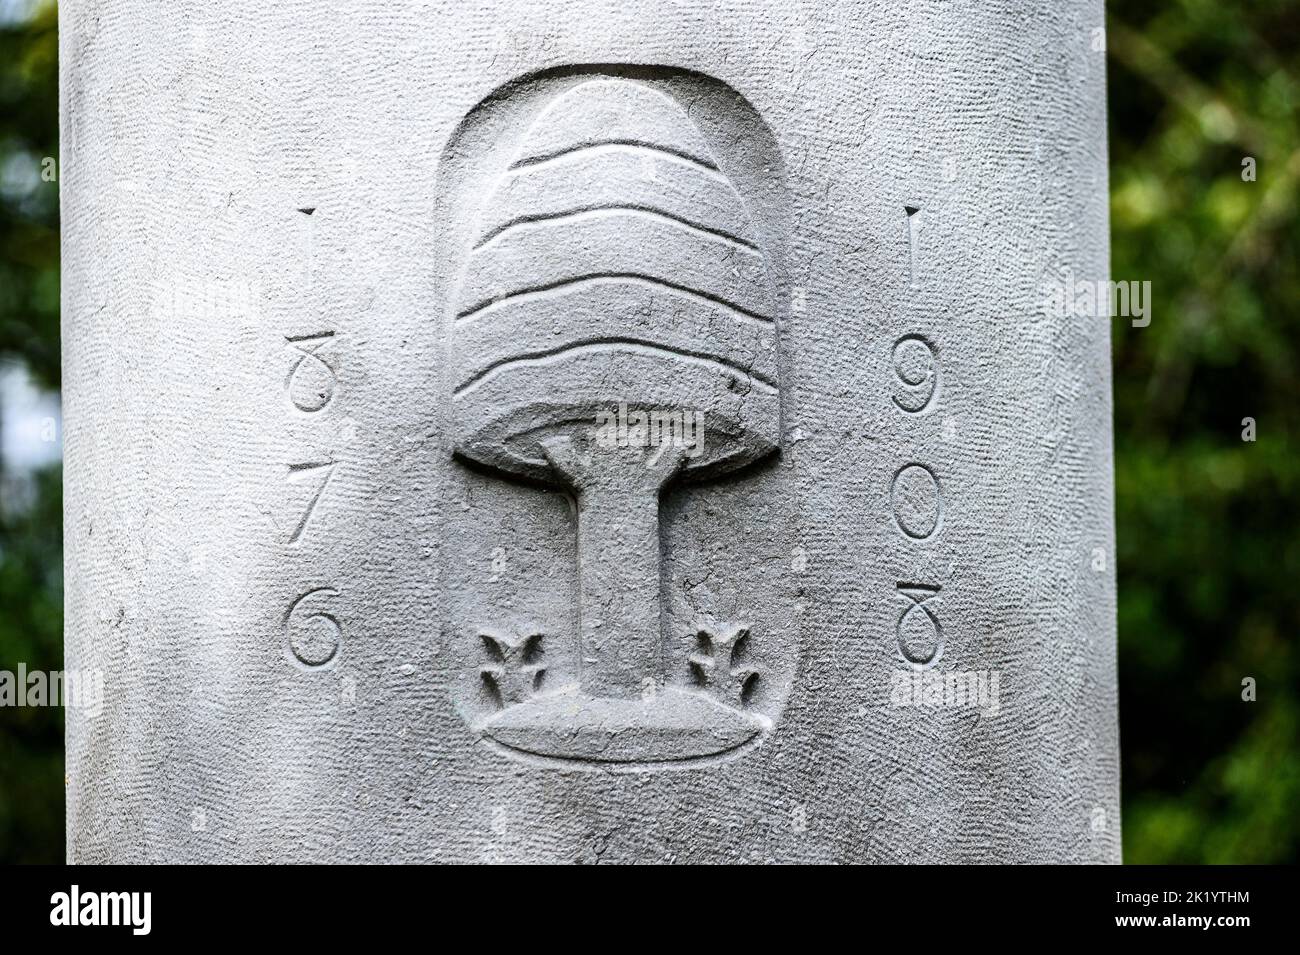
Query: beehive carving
613	261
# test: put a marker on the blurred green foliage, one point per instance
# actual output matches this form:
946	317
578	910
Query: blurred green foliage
1209	549
1209	554
29	205
31	540
31	632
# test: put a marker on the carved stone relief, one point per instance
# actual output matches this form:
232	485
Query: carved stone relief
613	340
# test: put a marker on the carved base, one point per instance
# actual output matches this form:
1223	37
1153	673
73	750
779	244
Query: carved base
673	726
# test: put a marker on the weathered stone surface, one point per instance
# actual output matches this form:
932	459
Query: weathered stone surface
573	431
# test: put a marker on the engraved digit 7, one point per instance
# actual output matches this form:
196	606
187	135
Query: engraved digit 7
298	471
917	367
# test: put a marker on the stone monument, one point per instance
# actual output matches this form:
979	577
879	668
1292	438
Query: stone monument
580	432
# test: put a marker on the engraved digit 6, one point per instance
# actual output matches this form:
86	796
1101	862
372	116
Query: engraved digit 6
313	634
917	367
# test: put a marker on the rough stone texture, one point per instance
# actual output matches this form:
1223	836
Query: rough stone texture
345	285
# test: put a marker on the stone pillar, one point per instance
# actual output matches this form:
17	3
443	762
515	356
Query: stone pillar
578	431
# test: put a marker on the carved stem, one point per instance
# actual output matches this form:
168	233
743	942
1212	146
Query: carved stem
618	559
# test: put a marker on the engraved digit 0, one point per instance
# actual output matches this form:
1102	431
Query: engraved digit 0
917	501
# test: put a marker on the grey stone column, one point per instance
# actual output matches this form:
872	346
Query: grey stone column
578	431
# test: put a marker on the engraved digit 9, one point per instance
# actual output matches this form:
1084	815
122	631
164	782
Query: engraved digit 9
917	368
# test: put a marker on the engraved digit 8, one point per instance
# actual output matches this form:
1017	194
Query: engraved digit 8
920	639
917	368
312	380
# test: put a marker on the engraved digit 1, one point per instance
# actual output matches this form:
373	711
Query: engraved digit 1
920	638
913	244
